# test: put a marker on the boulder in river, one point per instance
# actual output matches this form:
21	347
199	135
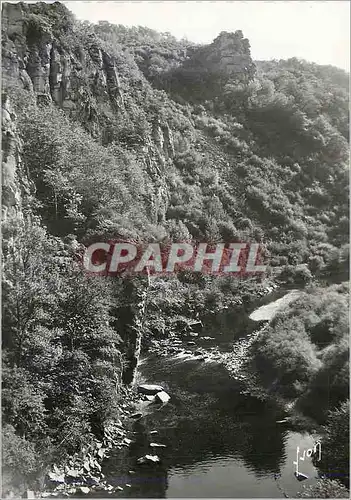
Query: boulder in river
150	389
300	477
162	397
157	445
85	490
148	458
149	397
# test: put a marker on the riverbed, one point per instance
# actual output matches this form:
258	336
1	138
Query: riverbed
211	439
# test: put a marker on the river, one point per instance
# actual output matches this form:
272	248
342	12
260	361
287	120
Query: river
219	442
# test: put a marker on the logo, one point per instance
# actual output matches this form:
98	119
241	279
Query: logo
309	453
114	258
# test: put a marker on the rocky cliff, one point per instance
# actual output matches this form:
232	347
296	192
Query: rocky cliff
16	185
71	78
69	66
82	80
227	56
135	133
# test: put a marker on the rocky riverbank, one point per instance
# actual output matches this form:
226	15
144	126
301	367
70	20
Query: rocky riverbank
236	360
82	473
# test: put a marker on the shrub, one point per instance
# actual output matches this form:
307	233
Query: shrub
324	488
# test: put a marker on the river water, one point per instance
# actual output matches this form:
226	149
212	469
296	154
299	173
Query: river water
219	442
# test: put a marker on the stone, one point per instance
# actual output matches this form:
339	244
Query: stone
228	55
148	458
136	416
300	477
282	421
29	494
25	78
149	389
157	445
112	81
149	397
162	397
56	477
168	144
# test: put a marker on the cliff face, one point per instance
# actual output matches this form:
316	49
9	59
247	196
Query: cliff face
16	185
81	80
230	53
204	71
33	54
199	140
71	68
228	56
84	82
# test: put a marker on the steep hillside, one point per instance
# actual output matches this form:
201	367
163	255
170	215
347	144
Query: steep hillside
258	157
115	132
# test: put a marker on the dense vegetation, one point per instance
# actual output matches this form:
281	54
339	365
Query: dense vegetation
336	444
259	158
304	351
303	355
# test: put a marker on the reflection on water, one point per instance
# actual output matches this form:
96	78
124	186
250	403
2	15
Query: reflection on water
219	443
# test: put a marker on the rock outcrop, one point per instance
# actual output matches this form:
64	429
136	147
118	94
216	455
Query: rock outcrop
111	77
35	56
208	68
228	56
130	323
81	81
16	185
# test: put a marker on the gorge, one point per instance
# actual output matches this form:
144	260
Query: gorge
111	133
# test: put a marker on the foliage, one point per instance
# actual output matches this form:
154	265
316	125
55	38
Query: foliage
182	155
62	362
335	462
305	351
324	488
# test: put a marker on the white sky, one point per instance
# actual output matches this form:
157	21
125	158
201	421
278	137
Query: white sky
316	30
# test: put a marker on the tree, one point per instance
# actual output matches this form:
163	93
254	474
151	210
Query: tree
335	462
